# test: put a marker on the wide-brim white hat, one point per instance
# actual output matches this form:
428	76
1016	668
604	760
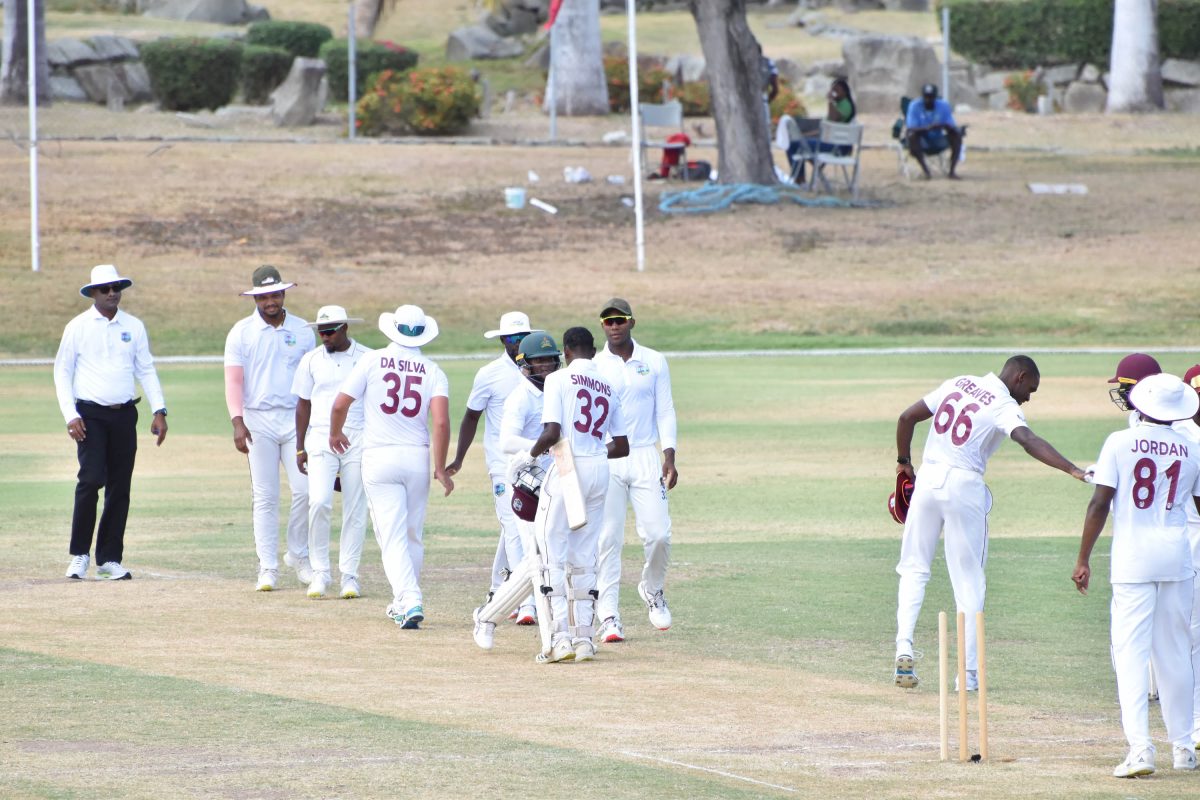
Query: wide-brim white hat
1165	398
510	323
103	275
332	315
266	279
408	326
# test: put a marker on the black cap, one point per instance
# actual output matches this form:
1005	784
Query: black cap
929	90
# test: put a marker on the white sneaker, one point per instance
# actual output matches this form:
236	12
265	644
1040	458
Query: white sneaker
656	604
485	632
320	582
527	615
395	613
1137	764
972	681
585	650
906	675
266	580
611	631
1185	757
561	651
303	568
112	571
350	587
79	567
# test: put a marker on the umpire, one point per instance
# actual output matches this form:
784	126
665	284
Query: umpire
102	351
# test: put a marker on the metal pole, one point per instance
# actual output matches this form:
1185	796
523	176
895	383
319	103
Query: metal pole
31	68
550	98
352	57
638	209
946	53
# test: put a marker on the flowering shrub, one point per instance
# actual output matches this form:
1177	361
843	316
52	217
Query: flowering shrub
426	102
1023	91
786	102
696	98
369	58
650	83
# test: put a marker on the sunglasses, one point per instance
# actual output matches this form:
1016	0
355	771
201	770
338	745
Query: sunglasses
330	331
109	288
621	320
513	338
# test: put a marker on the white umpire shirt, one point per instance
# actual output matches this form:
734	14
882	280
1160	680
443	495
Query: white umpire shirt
645	391
585	405
98	360
493	384
319	378
972	416
268	357
395	385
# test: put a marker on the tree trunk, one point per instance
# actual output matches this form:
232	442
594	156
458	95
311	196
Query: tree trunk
580	88
14	79
1135	72
367	14
735	78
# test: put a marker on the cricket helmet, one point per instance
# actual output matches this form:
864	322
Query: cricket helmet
526	490
538	345
899	500
1131	369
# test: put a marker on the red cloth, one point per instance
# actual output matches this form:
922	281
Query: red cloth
677	143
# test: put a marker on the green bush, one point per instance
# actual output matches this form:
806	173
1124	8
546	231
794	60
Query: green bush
188	74
263	68
696	98
1022	34
650	83
427	102
370	58
786	102
298	38
1023	91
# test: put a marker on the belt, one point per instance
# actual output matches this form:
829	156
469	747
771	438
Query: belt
115	407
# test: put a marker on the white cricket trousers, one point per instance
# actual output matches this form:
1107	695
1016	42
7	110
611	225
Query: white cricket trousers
955	502
1153	620
576	549
324	466
273	442
396	479
635	479
509	551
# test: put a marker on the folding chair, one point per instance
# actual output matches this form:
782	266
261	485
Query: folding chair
663	115
790	131
940	157
841	146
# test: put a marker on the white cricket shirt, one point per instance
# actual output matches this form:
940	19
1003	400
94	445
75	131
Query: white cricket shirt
318	380
98	360
971	417
493	384
1155	473
395	385
585	405
268	357
646	401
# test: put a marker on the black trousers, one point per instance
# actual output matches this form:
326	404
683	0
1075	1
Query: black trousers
105	460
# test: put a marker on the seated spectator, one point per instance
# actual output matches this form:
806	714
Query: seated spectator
841	109
931	129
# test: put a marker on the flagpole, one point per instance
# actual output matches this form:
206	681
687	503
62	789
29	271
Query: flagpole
35	245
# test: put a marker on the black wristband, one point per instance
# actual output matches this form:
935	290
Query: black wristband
903	460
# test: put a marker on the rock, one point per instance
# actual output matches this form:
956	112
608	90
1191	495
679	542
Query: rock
799	18
478	42
68	52
540	58
1090	73
114	48
906	5
852	6
791	71
224	12
298	100
997	101
1186	101
818	86
1185	73
963	92
96	80
991	82
1084	98
66	88
237	114
136	81
882	69
1061	74
512	20
828	68
687	69
256	13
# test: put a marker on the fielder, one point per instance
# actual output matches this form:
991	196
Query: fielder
971	417
318	378
1149	474
493	384
640	478
1191	429
262	352
401	391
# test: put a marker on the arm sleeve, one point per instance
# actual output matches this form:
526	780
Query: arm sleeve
1010	417
355	384
477	400
551	405
616	424
147	375
664	408
302	382
441	385
910	117
512	425
1106	465
234	401
64	375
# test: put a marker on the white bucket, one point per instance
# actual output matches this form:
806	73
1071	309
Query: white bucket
514	197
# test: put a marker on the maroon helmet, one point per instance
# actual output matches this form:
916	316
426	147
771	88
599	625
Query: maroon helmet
899	500
526	490
1131	369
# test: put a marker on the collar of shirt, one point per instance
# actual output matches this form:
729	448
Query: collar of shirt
117	317
634	355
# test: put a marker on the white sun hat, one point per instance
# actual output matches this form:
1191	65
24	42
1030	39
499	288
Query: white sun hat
408	326
103	275
510	323
1165	398
332	315
266	279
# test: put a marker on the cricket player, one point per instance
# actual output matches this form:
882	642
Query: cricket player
971	417
401	392
641	478
318	378
494	382
1148	474
581	406
262	352
1191	429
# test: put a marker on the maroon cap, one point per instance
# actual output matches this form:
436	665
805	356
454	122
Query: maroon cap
1192	377
899	500
524	502
1134	367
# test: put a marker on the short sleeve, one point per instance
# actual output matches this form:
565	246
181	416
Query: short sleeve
552	403
481	390
1009	417
302	383
441	385
233	348
1106	465
355	384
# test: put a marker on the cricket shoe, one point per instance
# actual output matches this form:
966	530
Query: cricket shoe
585	649
112	571
319	585
656	605
413	618
906	676
527	615
79	567
267	579
611	631
485	632
1185	757
562	651
395	613
972	681
1136	764
350	588
303	569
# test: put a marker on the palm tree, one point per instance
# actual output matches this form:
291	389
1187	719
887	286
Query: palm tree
14	77
580	88
1135	72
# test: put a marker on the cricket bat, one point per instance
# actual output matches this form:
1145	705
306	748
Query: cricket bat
572	495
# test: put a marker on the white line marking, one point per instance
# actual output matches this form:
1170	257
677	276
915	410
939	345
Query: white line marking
722	773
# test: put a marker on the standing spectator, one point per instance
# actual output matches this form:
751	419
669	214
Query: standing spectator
401	392
318	378
644	383
931	129
262	352
103	351
1148	475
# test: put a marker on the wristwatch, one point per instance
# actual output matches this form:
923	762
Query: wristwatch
162	411
903	460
